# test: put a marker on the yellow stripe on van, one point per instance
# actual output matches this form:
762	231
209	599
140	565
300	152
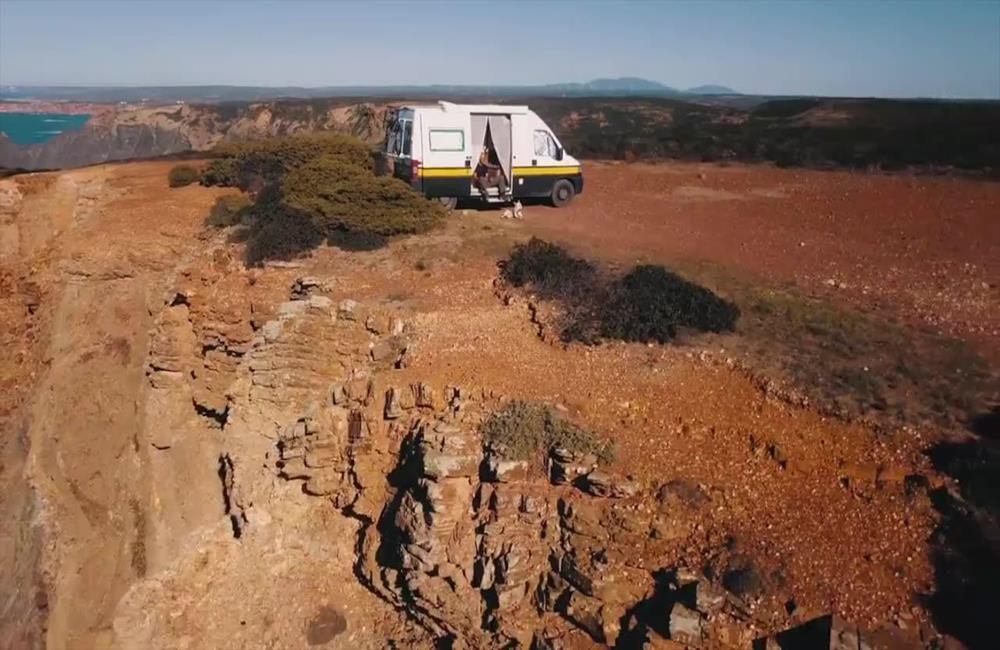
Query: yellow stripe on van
461	172
445	172
546	171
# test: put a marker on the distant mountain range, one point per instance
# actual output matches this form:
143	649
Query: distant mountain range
620	87
711	89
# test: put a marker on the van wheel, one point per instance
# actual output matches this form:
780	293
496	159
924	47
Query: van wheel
562	193
448	202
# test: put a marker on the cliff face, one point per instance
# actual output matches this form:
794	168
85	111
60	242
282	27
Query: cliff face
208	455
145	132
93	145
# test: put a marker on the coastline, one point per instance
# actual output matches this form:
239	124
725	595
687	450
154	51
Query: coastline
66	108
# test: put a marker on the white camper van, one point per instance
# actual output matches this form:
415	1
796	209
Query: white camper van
436	149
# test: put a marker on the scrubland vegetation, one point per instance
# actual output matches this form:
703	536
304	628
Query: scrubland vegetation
648	304
807	132
182	175
527	430
308	189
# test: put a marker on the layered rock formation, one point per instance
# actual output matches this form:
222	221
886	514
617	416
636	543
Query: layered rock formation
479	550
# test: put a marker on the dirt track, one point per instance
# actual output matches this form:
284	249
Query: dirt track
818	505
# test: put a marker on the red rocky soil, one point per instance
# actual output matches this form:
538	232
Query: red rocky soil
920	247
212	456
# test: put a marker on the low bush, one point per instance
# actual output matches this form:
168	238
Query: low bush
256	163
312	188
181	175
228	210
547	268
276	233
648	304
523	430
651	304
339	195
222	172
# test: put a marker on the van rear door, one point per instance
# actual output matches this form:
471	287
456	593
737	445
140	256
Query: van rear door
446	166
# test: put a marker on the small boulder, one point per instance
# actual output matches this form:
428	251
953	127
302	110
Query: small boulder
709	598
426	396
393	408
605	484
272	330
504	471
292	308
686	625
566	466
347	310
679	495
302	287
407	400
320	303
382	351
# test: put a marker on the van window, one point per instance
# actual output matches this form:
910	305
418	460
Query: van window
447	140
544	144
407	137
394	142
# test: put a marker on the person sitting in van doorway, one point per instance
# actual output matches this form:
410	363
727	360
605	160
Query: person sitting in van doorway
488	174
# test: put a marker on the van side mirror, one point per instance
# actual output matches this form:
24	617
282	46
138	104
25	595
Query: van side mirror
559	153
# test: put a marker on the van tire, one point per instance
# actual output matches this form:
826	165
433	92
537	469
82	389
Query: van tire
448	202
562	193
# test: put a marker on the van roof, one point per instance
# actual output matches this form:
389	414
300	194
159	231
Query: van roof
497	109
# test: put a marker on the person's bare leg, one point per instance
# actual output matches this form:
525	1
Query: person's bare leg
481	186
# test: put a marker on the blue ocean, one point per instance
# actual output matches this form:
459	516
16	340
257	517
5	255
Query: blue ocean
32	128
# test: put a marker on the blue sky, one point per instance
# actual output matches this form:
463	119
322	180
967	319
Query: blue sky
892	48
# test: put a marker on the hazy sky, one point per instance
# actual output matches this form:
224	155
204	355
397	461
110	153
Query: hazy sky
846	47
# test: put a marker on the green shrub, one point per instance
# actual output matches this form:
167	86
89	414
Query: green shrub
548	268
266	161
181	175
312	188
222	172
341	195
522	430
648	304
228	210
277	233
651	303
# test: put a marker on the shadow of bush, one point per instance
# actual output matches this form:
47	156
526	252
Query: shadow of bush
653	304
229	210
966	550
356	242
648	304
281	234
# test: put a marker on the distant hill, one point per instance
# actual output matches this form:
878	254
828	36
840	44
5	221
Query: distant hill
617	87
711	89
629	84
791	131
